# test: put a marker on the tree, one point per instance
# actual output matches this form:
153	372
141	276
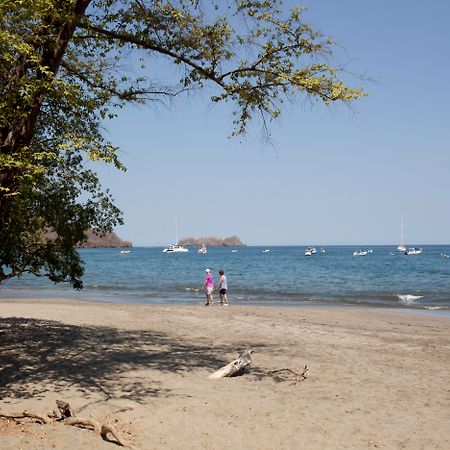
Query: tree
64	68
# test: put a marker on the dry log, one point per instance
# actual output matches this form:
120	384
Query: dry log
24	415
235	367
85	423
110	429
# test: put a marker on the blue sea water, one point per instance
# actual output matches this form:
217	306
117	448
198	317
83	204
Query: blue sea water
282	276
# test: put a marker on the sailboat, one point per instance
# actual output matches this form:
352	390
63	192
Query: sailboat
203	248
413	251
401	248
175	248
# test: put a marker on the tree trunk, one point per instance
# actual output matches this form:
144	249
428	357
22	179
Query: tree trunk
19	134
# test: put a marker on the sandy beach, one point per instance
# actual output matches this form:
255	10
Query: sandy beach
376	379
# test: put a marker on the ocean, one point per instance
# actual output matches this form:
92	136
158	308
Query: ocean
280	276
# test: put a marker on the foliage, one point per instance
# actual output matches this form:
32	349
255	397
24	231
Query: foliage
65	65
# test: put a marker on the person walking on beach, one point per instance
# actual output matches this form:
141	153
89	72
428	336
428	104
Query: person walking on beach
209	287
223	288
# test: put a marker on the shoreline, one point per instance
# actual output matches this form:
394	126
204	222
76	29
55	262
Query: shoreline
376	379
430	312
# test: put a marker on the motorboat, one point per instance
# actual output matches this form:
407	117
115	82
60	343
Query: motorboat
234	251
175	249
124	252
322	250
266	250
202	250
310	250
413	251
360	253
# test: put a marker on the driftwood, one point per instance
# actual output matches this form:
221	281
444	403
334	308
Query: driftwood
85	423
296	377
112	430
24	415
65	409
235	367
68	416
70	419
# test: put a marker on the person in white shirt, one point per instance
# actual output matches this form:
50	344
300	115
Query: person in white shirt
223	288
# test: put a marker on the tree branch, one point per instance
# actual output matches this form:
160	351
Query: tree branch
127	38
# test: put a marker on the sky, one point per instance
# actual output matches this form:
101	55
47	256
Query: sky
332	175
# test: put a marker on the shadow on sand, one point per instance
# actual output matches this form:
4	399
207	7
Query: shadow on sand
38	356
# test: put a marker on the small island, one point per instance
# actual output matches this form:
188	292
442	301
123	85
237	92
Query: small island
107	241
211	241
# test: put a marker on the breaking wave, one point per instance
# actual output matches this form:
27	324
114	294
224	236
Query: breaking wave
409	298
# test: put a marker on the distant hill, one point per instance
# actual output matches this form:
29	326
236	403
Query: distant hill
212	241
109	240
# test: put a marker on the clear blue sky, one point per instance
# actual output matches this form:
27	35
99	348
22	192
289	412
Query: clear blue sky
332	175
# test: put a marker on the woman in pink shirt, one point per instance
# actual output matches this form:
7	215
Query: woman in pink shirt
209	287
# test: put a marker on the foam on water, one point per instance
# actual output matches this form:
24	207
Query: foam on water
409	298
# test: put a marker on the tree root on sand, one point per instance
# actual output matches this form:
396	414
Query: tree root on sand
84	423
112	430
24	415
67	416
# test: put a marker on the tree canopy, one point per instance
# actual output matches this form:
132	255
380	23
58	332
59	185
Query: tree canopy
66	65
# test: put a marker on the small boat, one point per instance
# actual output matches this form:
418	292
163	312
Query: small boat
322	250
175	249
266	250
310	251
413	251
124	252
444	255
360	253
234	251
202	250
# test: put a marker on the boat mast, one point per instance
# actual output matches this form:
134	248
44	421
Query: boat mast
401	233
176	229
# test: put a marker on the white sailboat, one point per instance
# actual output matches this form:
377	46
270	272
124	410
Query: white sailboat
413	251
175	248
401	248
